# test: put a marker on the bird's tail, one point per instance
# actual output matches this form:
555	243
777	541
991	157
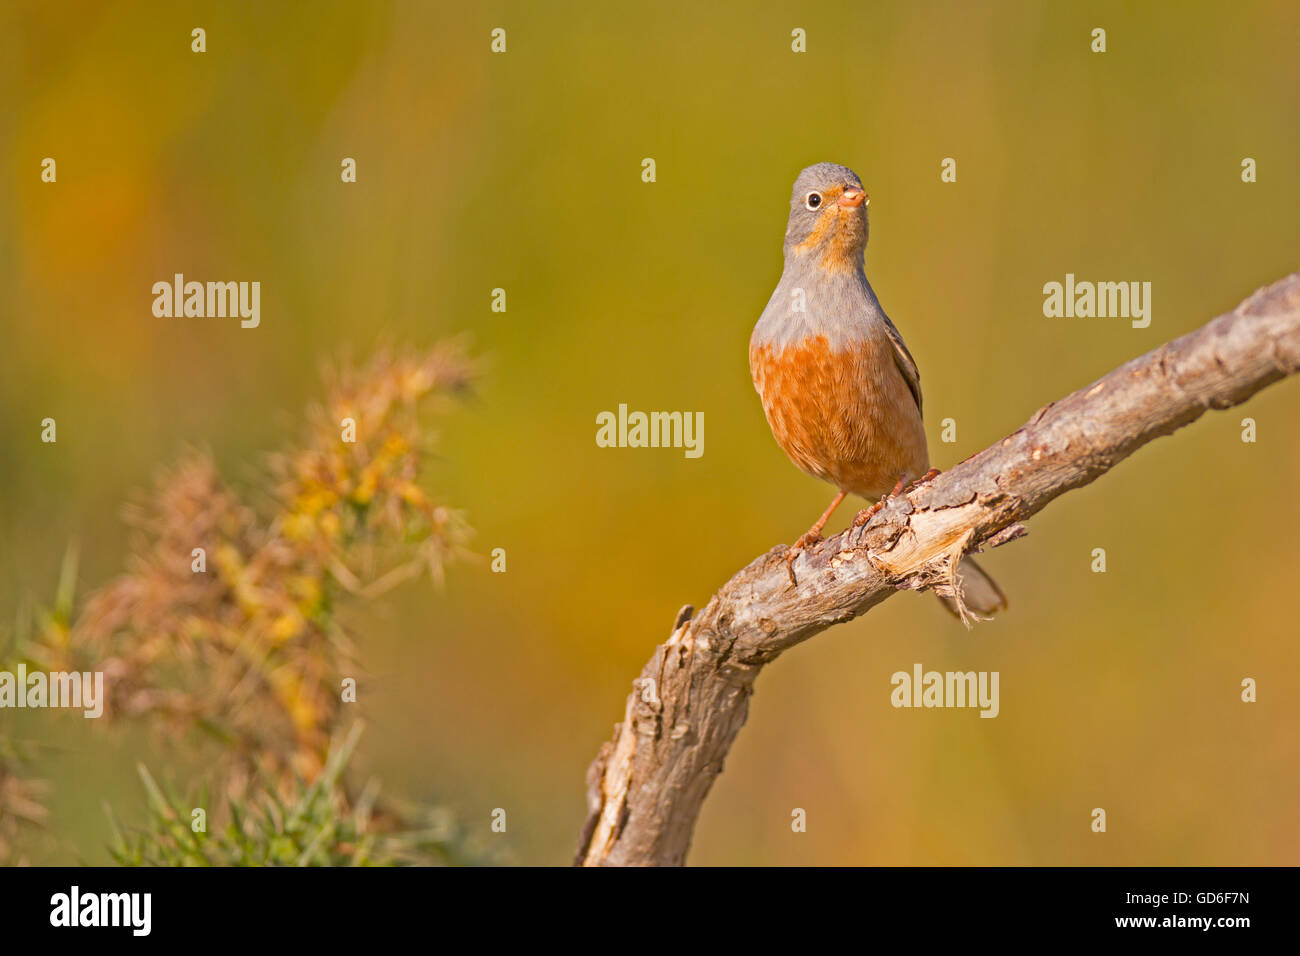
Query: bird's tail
980	592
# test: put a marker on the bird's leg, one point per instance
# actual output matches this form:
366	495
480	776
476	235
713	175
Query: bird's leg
811	536
866	514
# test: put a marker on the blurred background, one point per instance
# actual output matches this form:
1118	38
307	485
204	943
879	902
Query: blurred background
522	171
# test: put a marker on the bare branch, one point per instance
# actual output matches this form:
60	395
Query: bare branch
647	785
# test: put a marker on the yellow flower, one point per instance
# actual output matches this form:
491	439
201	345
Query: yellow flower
229	561
366	487
395	446
329	524
298	527
307	590
413	495
288	625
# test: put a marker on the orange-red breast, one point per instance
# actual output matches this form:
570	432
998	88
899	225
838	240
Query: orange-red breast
839	388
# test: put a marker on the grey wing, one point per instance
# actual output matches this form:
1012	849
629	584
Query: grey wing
906	364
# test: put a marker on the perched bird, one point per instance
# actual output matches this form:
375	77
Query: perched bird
839	388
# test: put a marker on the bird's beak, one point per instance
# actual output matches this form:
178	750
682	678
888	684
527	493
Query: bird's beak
852	197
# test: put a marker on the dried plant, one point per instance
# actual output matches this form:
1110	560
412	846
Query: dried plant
241	640
21	799
22	793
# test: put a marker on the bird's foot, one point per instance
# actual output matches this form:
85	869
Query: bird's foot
866	514
932	473
806	541
902	487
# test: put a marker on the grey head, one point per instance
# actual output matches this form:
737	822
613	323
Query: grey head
828	217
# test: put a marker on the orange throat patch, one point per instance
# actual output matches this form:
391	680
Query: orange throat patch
838	238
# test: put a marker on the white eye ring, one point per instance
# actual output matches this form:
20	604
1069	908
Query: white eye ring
812	201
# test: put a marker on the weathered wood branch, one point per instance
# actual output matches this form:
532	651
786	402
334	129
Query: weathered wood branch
647	785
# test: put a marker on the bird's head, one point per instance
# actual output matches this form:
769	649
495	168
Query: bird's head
828	218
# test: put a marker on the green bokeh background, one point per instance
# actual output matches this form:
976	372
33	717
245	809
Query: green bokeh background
522	171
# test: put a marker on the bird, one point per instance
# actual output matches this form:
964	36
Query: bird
838	386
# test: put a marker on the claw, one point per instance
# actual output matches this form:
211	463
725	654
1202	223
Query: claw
806	540
866	514
923	479
902	487
811	536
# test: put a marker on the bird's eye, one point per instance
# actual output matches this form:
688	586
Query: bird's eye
813	201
